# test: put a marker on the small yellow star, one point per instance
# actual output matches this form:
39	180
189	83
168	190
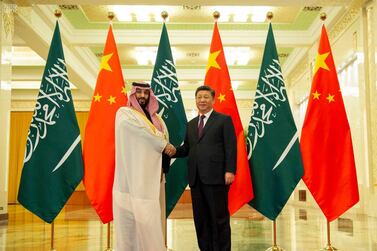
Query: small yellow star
316	95
97	97
320	62
124	90
111	100
212	60
330	98
221	97
105	62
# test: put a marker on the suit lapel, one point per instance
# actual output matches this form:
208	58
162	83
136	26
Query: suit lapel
195	127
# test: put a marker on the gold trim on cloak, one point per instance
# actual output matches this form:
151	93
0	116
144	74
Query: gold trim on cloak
152	127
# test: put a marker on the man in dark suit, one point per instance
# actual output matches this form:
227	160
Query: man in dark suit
211	147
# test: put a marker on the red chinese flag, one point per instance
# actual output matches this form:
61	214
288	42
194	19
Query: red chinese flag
217	77
99	142
326	144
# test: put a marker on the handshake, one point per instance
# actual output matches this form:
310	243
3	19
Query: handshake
170	150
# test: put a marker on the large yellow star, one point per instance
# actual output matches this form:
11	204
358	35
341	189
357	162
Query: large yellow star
330	98
212	60
221	97
124	91
111	100
316	95
320	62
105	62
97	97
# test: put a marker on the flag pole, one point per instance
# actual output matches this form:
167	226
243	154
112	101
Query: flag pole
110	16
165	15
52	236
57	14
274	247
108	237
328	246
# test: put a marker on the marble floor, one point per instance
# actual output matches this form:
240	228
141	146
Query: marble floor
78	228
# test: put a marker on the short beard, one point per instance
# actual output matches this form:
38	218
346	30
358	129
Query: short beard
143	105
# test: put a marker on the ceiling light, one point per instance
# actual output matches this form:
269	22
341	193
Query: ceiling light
145	55
241	15
237	55
142	13
240	18
122	13
5	85
259	14
230	55
243	55
235	85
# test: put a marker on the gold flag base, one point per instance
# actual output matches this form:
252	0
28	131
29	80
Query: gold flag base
275	248
109	249
329	248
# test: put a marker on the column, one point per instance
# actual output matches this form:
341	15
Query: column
6	36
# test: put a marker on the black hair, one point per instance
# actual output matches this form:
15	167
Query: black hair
205	88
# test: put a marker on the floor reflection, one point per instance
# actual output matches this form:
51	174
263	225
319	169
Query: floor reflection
78	228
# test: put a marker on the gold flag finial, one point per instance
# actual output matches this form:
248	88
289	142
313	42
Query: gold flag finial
58	13
164	15
110	15
269	16
323	16
216	15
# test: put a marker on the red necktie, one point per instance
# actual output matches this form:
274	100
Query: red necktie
201	125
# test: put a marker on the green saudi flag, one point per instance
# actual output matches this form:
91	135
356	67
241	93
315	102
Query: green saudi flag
53	165
165	86
274	150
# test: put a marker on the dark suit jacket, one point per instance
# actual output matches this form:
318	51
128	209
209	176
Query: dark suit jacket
215	153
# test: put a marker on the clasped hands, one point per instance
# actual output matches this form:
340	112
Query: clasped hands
170	150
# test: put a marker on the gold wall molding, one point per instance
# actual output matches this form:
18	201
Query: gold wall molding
28	105
348	18
369	15
7	15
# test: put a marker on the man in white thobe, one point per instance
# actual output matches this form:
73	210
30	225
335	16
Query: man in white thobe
140	139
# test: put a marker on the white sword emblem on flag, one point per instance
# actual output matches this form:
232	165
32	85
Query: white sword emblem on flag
69	151
286	150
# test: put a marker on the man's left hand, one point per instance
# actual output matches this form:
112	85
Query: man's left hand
170	150
229	177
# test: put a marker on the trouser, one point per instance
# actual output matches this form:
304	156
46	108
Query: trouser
211	216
